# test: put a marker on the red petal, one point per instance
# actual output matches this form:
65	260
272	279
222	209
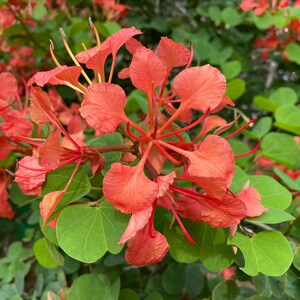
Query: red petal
225	101
143	249
97	62
172	54
8	86
16	124
69	76
213	159
137	222
51	151
49	203
210	123
119	38
40	105
128	189
103	107
30	174
132	45
164	183
251	198
200	88
42	78
5	208
124	73
146	70
5	148
217	213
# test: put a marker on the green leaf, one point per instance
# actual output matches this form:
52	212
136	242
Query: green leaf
128	294
267	252
239	147
270	286
47	254
173	279
235	88
264	103
154	296
108	140
231	69
273	194
296	261
274	216
287	180
86	233
288	117
261	127
226	290
194	280
292	52
281	147
230	16
281	21
211	245
93	286
264	21
58	179
284	95
239	179
39	11
215	14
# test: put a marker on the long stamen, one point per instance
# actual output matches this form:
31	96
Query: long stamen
187	127
170	206
240	129
166	154
72	55
95	32
248	153
134	137
51	48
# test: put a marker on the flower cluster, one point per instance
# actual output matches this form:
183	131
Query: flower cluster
169	134
277	37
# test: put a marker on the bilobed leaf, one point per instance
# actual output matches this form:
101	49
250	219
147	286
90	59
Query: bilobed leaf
94	286
86	233
235	88
273	194
264	21
47	254
173	279
274	216
267	252
270	286
292	52
284	96
58	179
280	147
264	103
261	127
211	246
288	118
214	13
231	69
194	279
226	290
230	16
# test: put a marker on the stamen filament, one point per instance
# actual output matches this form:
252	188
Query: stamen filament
240	129
164	152
72	55
248	153
51	48
187	127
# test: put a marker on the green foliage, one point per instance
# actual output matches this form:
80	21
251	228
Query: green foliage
86	233
266	252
